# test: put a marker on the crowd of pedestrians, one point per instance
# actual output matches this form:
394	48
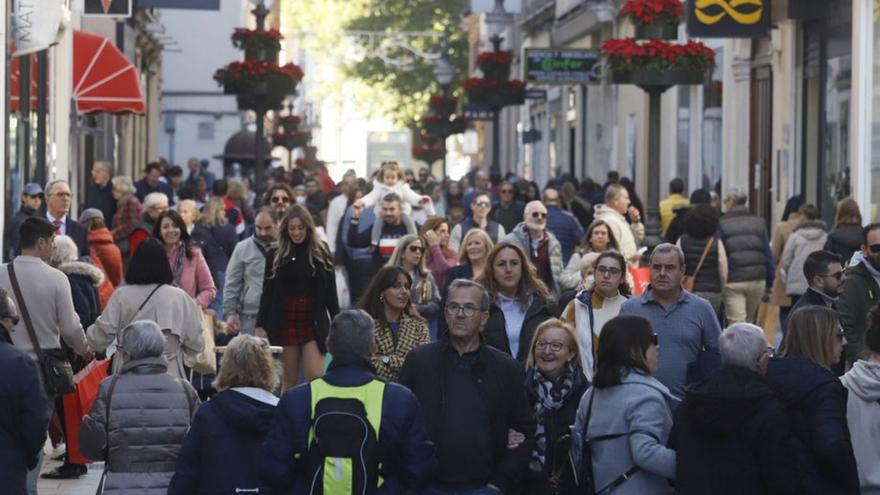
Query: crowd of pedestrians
426	335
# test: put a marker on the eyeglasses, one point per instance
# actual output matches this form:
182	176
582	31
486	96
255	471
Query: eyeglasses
654	340
468	309
838	276
874	248
555	346
608	270
280	199
416	249
482	204
840	334
506	191
12	319
539	214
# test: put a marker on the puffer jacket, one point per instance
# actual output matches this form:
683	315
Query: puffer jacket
520	237
748	252
150	412
244	277
806	238
844	240
863	416
84	282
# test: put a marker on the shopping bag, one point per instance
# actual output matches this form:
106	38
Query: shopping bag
641	279
205	362
78	403
343	294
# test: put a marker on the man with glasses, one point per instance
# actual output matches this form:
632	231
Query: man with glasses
825	278
563	224
245	274
685	323
861	292
544	250
734	415
279	198
31	201
509	210
481	207
24	412
58	199
475	403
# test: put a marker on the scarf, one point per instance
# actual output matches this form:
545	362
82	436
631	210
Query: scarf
858	257
549	397
177	271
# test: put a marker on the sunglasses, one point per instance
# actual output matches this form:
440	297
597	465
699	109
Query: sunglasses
840	334
280	199
654	339
482	204
538	214
838	276
416	249
12	319
874	248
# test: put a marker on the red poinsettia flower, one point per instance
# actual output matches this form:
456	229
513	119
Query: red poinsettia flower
629	54
651	11
498	58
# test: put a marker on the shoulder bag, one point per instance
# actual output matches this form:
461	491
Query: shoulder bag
56	369
688	281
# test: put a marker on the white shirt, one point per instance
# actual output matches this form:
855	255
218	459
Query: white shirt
61	228
514	316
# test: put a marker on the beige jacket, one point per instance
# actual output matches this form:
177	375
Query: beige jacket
628	235
171	308
46	292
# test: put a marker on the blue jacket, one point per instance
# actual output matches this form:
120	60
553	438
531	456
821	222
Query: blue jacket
566	228
219	453
406	454
814	401
24	416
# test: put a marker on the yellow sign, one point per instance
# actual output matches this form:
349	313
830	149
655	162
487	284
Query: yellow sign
730	8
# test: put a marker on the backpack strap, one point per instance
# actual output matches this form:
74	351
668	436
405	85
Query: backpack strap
371	395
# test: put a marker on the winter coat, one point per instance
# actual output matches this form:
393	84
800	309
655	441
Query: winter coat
408	197
129	212
404	450
668	208
732	437
273	302
815	403
84	282
495	332
140	233
708	279
781	233
172	309
217	244
244	278
392	347
579	313
12	240
24	416
439	262
233	422
628	235
520	237
150	412
639	409
195	276
844	240
566	228
106	256
860	294
806	238
493	229
745	237
863	419
499	381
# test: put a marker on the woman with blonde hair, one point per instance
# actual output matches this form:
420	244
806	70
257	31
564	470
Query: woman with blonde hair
846	236
520	300
235	420
425	296
472	256
555	384
217	238
814	400
299	296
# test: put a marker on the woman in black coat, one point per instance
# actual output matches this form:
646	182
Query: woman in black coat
555	384
846	236
217	238
815	401
233	422
299	297
520	300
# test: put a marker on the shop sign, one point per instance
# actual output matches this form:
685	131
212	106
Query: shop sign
478	112
548	66
728	18
182	4
107	8
536	94
36	25
806	10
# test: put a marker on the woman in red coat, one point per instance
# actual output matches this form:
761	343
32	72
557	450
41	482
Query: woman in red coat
104	252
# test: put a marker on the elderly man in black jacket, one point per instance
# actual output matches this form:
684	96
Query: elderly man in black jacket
731	435
475	401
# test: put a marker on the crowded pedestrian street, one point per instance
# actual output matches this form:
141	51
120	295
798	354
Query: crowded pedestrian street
440	247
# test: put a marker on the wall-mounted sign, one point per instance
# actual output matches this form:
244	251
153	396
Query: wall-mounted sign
478	112
548	66
536	94
182	4
728	18
107	8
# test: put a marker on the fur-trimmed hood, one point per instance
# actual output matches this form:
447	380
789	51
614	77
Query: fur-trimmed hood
84	269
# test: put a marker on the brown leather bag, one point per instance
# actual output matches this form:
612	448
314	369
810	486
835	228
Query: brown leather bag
688	281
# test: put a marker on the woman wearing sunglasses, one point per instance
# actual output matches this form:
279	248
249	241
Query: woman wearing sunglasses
814	400
555	384
626	415
410	255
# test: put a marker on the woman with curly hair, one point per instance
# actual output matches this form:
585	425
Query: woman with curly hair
299	296
398	327
520	300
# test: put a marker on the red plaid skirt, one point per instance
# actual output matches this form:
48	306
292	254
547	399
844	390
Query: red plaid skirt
297	322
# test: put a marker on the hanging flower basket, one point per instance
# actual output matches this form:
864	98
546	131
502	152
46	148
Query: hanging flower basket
428	154
654	77
435	125
631	62
495	65
647	12
458	125
260	85
288	123
311	152
308	163
495	93
258	45
442	106
291	140
657	30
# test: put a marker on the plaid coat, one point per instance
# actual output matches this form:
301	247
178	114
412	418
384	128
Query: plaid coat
390	353
128	215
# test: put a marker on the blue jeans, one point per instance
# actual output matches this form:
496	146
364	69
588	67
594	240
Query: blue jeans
34	474
486	490
217	304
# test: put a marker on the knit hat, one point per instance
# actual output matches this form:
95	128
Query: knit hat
89	215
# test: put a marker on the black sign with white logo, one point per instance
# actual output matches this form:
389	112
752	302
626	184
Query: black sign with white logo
478	112
548	66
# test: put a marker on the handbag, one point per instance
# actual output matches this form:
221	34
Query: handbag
688	281
57	372
205	362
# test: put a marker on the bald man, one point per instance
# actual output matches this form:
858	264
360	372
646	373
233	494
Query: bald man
100	191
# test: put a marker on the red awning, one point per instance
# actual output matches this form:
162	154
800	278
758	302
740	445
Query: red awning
103	78
15	83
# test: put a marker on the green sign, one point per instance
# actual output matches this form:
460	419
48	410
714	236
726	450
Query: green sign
548	66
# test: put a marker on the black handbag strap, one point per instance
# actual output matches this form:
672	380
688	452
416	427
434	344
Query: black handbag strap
147	299
19	299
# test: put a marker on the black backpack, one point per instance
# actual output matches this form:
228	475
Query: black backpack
343	449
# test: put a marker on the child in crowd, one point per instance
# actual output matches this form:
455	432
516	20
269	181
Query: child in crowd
390	179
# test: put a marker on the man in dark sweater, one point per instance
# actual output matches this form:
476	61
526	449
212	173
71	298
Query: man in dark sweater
100	191
393	228
474	399
825	277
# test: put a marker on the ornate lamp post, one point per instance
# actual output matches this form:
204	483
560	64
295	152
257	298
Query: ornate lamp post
497	21
445	73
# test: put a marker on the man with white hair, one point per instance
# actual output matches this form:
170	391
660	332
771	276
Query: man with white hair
613	212
99	193
542	247
731	435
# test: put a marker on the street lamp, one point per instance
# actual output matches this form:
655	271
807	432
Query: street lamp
445	73
498	21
